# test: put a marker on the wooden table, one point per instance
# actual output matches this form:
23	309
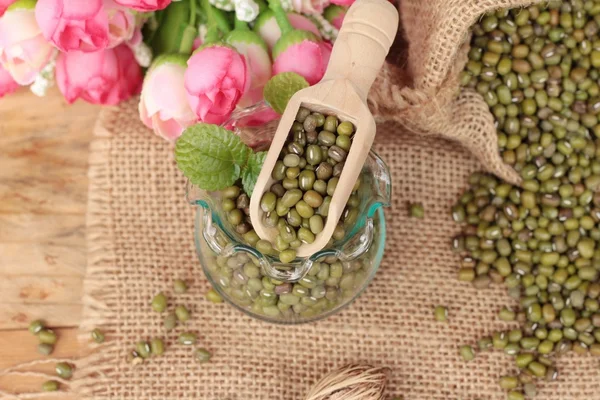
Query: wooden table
43	195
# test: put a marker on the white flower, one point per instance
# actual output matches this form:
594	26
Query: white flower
44	80
246	10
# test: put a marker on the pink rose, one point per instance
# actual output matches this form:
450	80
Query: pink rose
314	56
266	26
145	5
121	24
7	83
346	3
309	6
74	25
23	49
258	63
163	104
4	5
105	77
215	81
338	21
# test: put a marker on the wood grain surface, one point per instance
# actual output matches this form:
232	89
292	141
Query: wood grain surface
43	193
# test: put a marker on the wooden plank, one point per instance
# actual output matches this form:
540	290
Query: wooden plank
61	191
24	115
42	259
31	289
20	346
55	229
18	316
57	152
45	152
43	196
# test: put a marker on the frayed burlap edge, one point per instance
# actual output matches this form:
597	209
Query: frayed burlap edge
100	286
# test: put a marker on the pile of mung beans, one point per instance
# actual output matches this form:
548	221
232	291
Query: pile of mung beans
538	69
306	176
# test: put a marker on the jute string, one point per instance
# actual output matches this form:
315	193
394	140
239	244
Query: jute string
140	232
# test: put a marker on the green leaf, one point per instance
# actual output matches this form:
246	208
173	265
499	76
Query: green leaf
210	156
280	89
252	170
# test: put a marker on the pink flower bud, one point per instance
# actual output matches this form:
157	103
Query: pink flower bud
314	56
23	49
215	81
258	63
7	83
163	105
335	15
197	43
4	5
109	77
266	26
145	5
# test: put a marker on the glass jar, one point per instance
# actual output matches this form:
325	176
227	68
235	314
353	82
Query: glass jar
308	288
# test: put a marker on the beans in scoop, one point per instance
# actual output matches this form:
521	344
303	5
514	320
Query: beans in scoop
306	176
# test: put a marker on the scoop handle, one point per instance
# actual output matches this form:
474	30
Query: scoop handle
362	44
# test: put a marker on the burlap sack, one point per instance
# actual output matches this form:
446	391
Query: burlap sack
140	232
422	91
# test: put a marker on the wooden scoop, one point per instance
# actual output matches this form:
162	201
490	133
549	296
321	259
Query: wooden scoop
363	42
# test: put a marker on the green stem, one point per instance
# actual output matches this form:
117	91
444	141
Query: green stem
193	13
280	16
262	6
220	18
199	11
212	35
215	17
205	4
240	25
212	30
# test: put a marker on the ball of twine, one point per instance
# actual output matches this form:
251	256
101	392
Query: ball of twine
351	382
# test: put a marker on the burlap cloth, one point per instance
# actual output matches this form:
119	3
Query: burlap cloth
140	233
